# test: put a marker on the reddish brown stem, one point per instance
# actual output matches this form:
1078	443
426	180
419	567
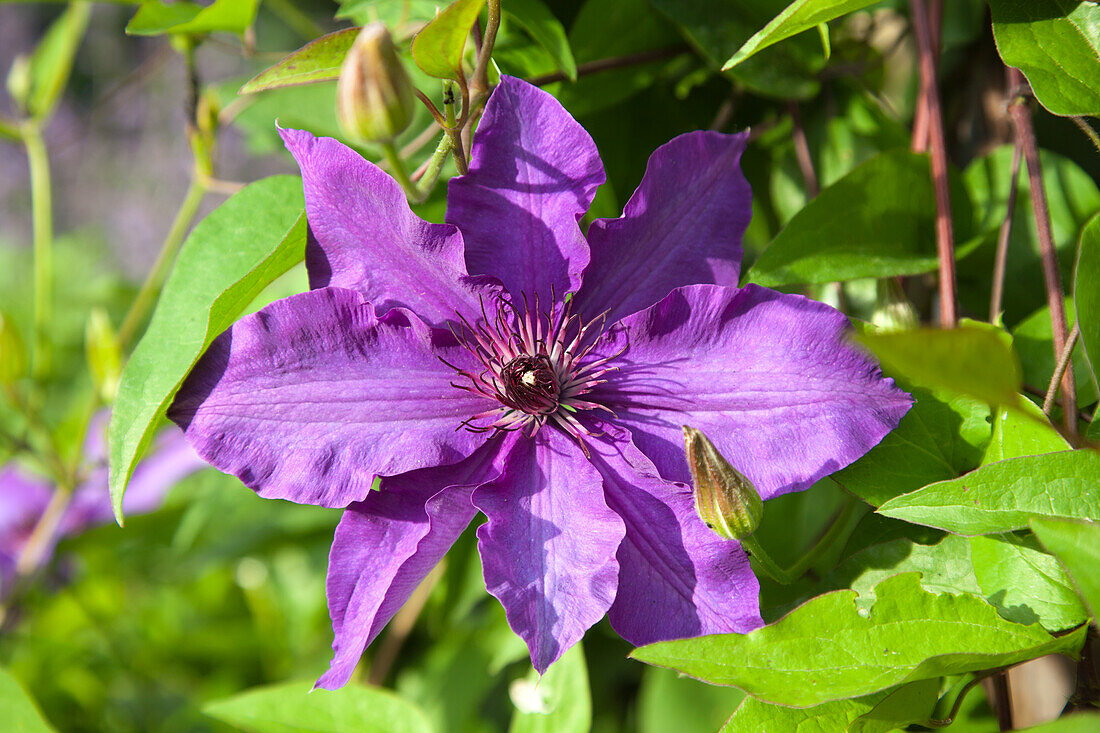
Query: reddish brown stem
1025	138
945	243
615	62
802	151
921	120
1001	261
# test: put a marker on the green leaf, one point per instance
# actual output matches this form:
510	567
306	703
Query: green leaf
671	702
291	706
559	702
907	704
17	709
753	715
1076	544
876	221
52	60
1086	295
1056	44
1033	339
718	27
1004	496
1077	723
155	18
827	650
437	49
801	15
974	359
941	437
541	25
233	254
1025	431
319	60
1024	583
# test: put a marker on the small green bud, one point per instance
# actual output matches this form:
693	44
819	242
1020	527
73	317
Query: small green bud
101	349
374	97
13	353
725	500
19	81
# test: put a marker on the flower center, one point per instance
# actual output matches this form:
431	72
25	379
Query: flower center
536	368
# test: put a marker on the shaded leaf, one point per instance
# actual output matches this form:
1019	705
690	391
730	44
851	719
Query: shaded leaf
909	703
155	18
1076	544
1056	43
827	650
230	256
541	25
801	15
671	702
437	49
17	709
1086	295
291	706
876	221
1024	583
319	60
1004	496
1033	339
559	702
1077	723
1025	431
974	359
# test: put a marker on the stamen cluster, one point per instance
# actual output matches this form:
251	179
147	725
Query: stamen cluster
533	367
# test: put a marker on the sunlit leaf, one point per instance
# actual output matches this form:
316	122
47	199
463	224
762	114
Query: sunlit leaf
17	709
541	25
319	60
437	49
156	18
801	15
1077	545
1086	293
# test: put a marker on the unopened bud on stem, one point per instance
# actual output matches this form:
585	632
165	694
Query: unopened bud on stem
724	498
374	97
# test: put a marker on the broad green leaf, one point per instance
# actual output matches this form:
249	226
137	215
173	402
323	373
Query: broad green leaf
1076	723
437	49
719	27
1025	583
877	221
1086	294
231	255
753	716
319	60
827	650
541	25
1004	496
52	60
156	18
974	359
801	15
1077	545
1033	339
291	706
907	704
402	17
1072	198
1056	43
17	708
1016	434
944	567
559	702
941	437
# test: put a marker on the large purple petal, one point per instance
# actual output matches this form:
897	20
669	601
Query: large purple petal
681	227
314	395
533	173
769	377
548	549
386	545
365	237
677	578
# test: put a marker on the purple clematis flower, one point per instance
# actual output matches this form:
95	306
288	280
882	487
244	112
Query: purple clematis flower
24	496
506	363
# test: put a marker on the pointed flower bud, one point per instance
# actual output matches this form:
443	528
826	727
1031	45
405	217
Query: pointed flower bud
374	97
101	348
725	500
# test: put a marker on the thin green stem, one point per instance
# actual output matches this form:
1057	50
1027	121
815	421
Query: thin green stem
836	530
9	130
765	562
42	218
453	130
433	166
399	172
944	722
150	289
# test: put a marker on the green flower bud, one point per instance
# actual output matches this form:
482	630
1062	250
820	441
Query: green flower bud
19	80
101	349
725	500
374	97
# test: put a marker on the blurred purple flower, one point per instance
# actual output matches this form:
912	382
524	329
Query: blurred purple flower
568	431
24	497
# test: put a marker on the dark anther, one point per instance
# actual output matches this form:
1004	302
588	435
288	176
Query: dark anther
531	384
